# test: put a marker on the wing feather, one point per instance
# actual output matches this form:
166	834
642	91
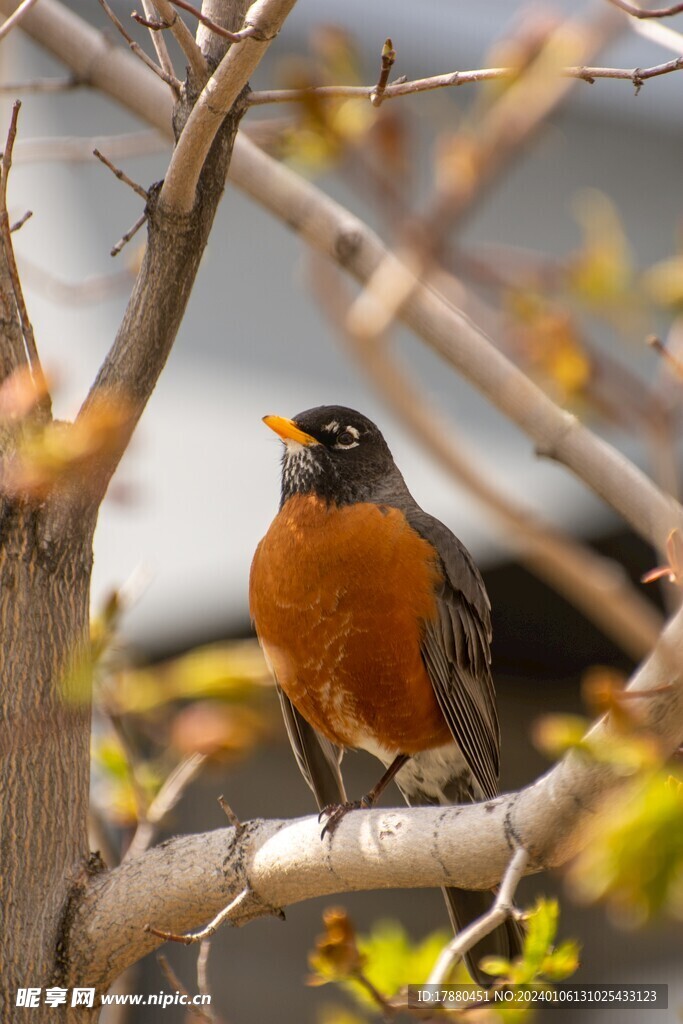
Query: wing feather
457	656
317	758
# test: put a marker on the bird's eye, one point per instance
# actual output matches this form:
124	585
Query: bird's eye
346	439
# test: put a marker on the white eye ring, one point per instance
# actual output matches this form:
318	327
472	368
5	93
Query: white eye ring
346	432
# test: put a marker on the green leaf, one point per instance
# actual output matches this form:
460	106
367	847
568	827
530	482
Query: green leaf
634	862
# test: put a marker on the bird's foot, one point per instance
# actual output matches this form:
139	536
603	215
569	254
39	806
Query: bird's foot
335	812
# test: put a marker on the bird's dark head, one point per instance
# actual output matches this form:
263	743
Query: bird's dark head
337	454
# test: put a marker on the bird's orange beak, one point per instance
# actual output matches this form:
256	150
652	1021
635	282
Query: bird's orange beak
288	430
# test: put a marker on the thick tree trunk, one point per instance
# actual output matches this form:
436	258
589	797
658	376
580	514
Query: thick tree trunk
45	567
44	746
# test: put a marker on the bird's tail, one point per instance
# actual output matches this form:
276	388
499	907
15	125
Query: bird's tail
465	906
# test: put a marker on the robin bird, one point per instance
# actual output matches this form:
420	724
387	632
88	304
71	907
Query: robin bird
376	625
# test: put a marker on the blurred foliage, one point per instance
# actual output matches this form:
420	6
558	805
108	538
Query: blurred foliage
215	701
384	961
376	969
634	861
663	283
61	454
633	857
541	960
325	127
117	792
546	336
601	273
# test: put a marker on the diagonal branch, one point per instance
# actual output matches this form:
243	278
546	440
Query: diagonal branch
159	43
333	230
645	12
184	39
264	20
596	585
138	51
330	228
14	19
20	344
189	880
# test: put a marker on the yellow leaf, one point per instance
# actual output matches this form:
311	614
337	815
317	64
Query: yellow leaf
663	282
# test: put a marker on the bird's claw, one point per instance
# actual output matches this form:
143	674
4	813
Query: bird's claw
335	812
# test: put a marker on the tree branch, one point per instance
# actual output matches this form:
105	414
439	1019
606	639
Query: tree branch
20	348
332	229
186	881
596	585
501	134
644	12
172	256
138	51
14	18
185	40
503	907
233	37
452	80
159	44
264	19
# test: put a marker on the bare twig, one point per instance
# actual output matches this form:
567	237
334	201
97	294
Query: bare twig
637	76
121	175
44	405
672	361
41	85
116	249
138	51
233	37
159	44
200	1012
387	63
452	80
210	929
500	136
229	813
184	39
203	967
14	19
164	802
203	986
152	24
18	224
503	907
644	12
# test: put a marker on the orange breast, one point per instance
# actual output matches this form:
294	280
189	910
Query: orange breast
338	596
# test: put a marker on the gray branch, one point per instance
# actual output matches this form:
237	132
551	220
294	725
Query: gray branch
185	882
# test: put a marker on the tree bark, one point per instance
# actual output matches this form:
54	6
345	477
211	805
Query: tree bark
44	745
45	569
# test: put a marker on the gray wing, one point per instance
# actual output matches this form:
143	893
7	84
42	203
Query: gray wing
456	653
318	759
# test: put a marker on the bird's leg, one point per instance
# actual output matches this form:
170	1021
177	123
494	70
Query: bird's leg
335	812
